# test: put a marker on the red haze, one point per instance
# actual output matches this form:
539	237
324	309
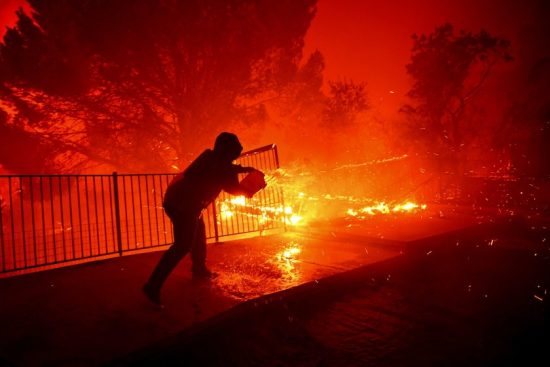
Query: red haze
371	40
7	13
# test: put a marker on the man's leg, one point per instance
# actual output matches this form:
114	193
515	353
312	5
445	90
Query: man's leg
198	252
184	231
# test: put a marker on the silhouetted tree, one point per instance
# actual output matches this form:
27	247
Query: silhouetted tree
298	87
346	99
139	84
448	70
37	152
295	112
525	131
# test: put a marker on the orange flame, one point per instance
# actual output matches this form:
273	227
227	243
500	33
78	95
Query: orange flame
383	208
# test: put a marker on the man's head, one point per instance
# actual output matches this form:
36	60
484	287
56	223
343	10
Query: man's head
227	145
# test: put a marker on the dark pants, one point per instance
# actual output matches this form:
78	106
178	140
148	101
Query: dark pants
189	234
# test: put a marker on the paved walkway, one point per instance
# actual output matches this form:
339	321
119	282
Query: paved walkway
89	314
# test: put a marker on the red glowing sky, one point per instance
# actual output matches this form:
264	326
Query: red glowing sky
7	13
370	41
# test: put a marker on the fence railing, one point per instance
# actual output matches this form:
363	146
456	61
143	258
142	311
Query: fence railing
50	220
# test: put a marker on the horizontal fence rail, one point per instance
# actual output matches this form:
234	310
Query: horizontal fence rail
50	220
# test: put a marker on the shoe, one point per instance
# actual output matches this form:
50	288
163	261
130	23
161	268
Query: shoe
152	294
204	273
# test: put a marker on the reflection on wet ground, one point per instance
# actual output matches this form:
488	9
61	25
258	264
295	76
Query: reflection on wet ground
250	278
266	266
469	302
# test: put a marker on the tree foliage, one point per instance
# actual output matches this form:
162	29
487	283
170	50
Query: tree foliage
138	84
525	129
346	99
448	70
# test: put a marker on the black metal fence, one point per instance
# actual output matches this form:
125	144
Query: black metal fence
52	220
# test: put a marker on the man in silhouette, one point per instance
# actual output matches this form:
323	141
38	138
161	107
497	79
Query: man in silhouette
186	197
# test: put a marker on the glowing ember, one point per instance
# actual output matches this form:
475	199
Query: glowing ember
352	212
294	219
239	200
300	206
372	163
285	261
225	211
408	207
289	253
250	208
383	208
288	215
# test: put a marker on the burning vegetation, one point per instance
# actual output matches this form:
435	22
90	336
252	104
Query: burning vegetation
303	200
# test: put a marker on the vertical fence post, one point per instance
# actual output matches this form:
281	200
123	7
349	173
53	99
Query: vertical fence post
215	214
2	236
117	213
276	154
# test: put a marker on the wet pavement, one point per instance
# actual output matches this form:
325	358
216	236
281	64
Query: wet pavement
94	313
477	297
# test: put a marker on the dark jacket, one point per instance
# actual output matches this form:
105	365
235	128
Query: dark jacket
199	184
